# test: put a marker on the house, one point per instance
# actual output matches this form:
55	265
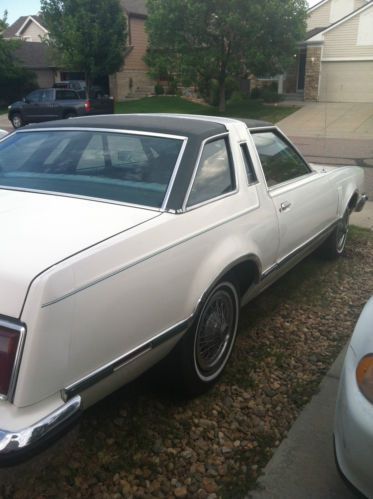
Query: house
36	57
33	54
133	80
335	61
26	28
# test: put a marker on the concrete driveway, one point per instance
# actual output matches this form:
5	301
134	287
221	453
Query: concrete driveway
5	124
331	120
334	134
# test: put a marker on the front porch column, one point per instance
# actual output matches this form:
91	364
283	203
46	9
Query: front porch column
312	77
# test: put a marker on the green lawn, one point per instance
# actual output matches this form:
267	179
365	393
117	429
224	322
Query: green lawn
244	109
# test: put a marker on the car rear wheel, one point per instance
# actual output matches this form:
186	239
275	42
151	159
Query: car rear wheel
205	349
16	120
70	114
335	244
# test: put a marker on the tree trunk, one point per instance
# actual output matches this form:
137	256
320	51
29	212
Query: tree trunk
222	95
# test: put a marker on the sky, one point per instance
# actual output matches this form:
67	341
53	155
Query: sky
17	8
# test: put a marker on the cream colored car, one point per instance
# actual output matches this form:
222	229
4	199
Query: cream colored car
128	238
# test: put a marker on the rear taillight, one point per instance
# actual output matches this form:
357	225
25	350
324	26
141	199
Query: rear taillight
10	343
87	106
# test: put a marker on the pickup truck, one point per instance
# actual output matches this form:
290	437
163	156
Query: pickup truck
128	239
54	104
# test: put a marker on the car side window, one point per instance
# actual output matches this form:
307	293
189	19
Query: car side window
34	96
280	162
66	95
46	95
214	174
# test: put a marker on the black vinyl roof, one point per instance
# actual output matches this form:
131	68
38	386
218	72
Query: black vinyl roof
172	125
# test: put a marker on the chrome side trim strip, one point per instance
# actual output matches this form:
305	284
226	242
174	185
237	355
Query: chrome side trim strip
298	250
14	442
145	258
21	329
107	369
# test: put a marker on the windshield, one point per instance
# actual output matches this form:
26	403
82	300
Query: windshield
122	167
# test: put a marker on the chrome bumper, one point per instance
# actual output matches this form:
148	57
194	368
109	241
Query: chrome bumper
15	446
361	202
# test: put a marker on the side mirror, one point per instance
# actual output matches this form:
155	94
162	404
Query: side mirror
26	100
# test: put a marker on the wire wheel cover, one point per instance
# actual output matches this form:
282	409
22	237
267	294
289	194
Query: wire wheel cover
215	331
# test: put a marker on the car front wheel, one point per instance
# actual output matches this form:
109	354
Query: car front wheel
335	244
16	120
206	348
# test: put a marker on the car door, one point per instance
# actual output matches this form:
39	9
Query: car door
304	203
32	106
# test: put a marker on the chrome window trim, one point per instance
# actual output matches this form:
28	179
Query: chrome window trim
208	201
311	176
107	130
173	176
281	184
21	329
117	131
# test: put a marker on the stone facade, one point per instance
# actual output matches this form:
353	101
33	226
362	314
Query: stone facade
313	67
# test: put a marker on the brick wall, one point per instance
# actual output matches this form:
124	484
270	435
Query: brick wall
313	66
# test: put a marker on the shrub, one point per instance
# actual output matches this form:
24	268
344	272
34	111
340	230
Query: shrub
172	87
237	97
270	95
256	93
158	89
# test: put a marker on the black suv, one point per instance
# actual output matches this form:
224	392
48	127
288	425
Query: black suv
56	103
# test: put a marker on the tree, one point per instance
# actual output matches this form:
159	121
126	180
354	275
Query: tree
86	35
14	79
215	39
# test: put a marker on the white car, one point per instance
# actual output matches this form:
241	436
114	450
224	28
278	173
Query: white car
127	237
353	430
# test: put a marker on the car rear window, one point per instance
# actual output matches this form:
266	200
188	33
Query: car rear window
124	167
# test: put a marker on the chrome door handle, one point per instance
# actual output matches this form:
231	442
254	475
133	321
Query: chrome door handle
284	206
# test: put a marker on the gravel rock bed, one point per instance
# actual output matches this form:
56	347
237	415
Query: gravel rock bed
144	442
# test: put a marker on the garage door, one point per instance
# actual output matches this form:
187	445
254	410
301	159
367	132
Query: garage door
346	81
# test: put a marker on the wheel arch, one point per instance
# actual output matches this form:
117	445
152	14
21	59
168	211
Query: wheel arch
243	272
348	200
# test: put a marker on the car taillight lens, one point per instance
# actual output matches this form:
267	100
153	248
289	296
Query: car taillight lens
87	106
364	376
9	340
